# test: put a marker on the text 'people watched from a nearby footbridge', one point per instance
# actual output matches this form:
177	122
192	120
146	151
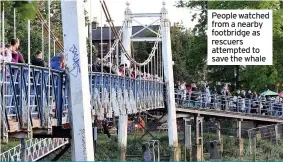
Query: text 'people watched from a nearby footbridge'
239	37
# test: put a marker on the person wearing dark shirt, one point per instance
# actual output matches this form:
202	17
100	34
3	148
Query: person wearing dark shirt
105	128
16	55
38	61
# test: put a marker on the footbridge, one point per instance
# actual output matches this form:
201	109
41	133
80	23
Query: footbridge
47	104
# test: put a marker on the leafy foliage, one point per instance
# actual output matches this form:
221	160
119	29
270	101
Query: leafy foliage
26	9
251	77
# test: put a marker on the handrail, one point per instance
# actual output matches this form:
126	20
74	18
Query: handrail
32	66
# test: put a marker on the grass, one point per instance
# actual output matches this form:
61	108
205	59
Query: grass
108	148
11	143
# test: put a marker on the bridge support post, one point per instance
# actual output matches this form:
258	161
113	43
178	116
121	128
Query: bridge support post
239	135
3	129
277	134
122	135
198	147
219	135
73	20
169	83
188	140
23	149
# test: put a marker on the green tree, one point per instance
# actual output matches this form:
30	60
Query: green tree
180	38
24	11
180	52
256	77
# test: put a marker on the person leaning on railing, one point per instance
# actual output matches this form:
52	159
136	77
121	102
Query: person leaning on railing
37	60
58	63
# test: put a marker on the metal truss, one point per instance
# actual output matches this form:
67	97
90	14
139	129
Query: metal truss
47	94
112	93
35	149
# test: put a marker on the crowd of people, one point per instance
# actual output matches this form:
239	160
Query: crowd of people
122	70
239	100
11	54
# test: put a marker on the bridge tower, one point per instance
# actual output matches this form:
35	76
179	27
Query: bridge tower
169	82
127	33
73	20
128	36
123	118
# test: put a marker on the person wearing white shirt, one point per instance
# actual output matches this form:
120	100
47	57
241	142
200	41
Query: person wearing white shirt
6	54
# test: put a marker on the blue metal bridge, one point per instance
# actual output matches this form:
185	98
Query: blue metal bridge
49	96
111	95
34	100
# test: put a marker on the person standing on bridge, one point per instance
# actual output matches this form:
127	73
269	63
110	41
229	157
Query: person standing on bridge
6	54
38	61
57	62
224	95
207	98
17	56
183	92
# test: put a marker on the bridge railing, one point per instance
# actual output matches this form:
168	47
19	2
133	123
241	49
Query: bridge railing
34	149
121	95
260	105
46	94
46	88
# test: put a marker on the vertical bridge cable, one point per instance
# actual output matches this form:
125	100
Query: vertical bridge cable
1	107
15	34
91	56
147	77
117	58
151	78
124	105
101	62
117	84
144	90
49	63
155	79
162	74
29	77
54	47
110	75
135	81
3	27
42	39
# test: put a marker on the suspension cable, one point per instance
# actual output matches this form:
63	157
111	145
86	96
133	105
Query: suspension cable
108	17
47	28
115	43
